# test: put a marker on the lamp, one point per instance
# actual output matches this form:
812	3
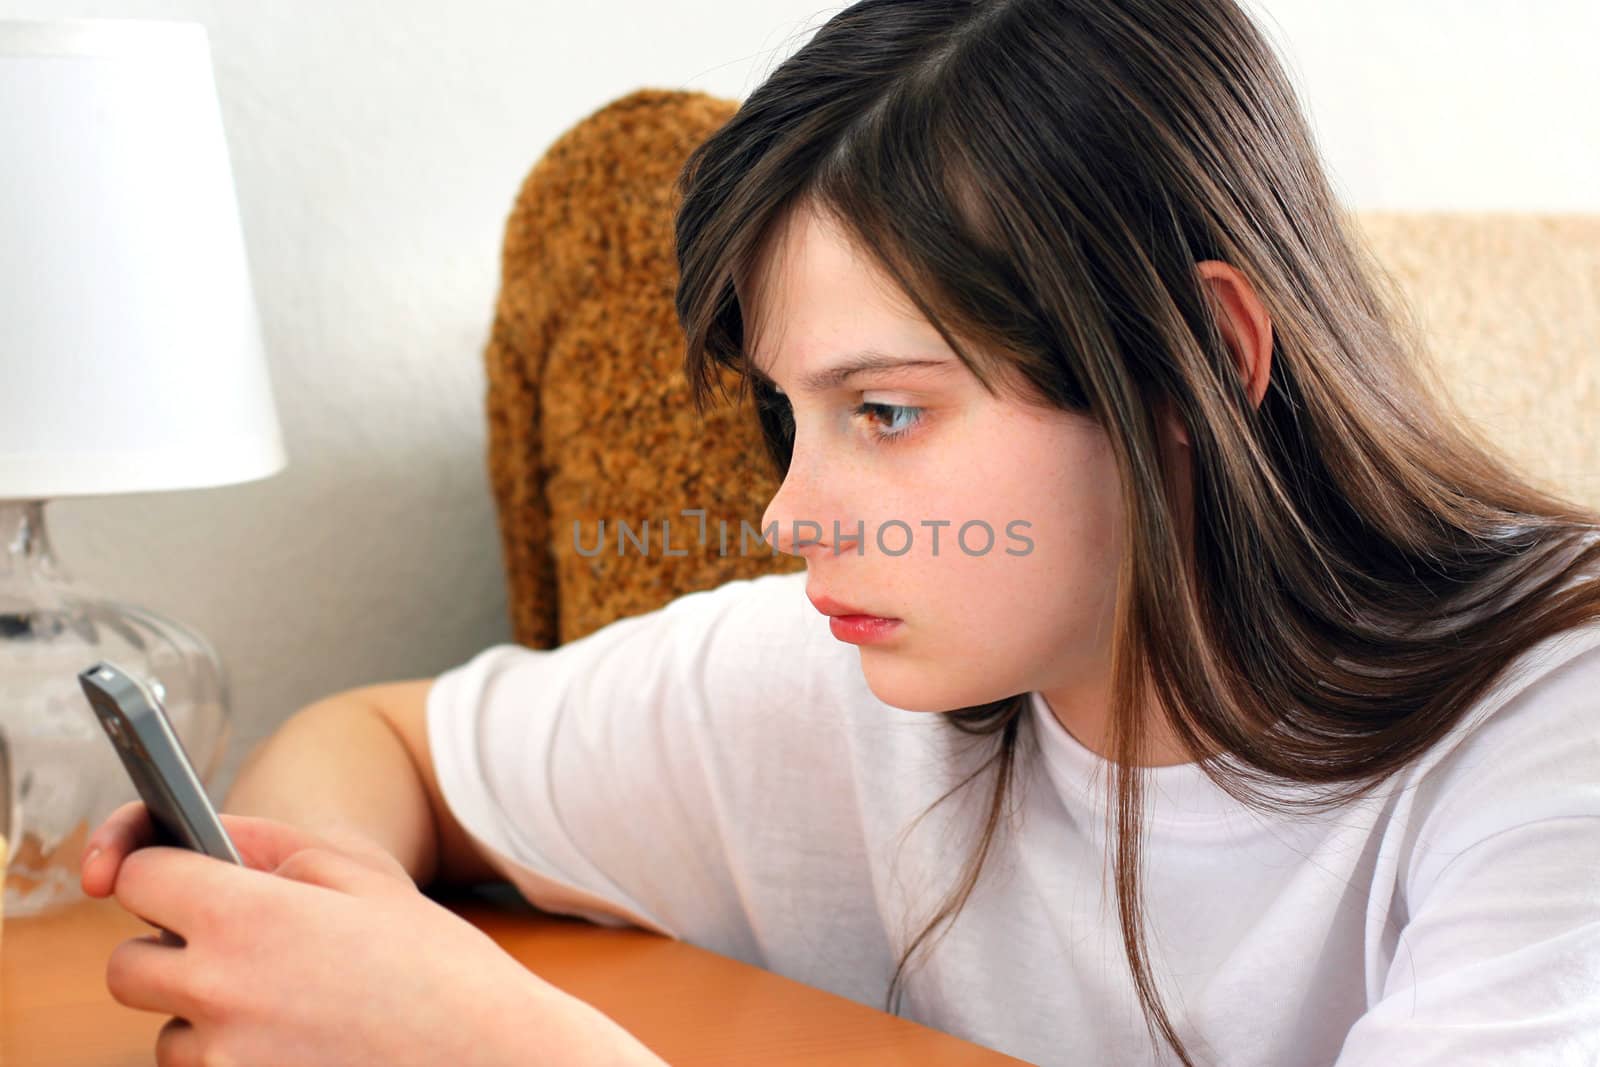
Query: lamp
130	361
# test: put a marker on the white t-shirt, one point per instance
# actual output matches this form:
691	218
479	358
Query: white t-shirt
719	771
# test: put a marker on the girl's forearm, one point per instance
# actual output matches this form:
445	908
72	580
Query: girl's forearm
337	766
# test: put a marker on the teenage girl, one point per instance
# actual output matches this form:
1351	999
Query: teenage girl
1195	688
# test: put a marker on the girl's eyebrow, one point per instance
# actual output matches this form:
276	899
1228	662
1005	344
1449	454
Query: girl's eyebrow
863	362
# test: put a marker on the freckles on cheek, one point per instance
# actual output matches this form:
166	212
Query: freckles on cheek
1074	519
1095	528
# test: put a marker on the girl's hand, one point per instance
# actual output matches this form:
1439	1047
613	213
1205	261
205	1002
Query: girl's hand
322	951
260	843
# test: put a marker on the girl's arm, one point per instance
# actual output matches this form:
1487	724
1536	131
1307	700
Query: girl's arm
358	762
1498	957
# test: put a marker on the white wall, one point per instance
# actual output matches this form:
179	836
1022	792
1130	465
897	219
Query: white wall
377	149
1463	105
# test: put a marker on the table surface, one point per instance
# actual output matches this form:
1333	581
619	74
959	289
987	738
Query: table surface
691	1006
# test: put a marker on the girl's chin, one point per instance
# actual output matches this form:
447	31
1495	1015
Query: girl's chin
916	688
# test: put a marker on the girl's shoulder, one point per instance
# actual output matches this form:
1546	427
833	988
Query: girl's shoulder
1544	681
1527	752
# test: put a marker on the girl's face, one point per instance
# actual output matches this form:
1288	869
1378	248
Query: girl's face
1022	599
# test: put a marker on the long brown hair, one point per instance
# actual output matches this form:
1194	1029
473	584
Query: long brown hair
1041	178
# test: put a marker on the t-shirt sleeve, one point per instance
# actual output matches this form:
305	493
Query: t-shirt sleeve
601	777
1499	960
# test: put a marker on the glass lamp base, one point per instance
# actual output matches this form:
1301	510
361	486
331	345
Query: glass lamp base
66	777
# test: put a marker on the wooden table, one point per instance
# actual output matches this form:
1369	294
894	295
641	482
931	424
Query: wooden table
692	1006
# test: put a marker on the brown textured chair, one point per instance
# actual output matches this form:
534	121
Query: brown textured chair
589	413
590	417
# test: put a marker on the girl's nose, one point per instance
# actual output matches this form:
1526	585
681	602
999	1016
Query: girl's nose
784	524
808	534
796	521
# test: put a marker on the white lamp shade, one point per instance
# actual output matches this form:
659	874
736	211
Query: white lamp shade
130	346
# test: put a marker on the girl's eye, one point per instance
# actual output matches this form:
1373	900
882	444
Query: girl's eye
775	405
901	418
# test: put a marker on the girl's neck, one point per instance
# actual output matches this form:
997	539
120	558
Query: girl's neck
1085	714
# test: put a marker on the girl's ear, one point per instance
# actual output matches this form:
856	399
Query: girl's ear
1247	329
1172	424
1245	324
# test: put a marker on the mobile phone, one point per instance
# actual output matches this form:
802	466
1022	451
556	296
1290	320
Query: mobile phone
132	717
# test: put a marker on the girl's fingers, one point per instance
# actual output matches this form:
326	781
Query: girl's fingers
190	894
127	828
178	1044
264	843
146	975
332	869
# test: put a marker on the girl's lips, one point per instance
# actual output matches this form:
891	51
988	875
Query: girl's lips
829	606
861	629
851	623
